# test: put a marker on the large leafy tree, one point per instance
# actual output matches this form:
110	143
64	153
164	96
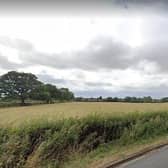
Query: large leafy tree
42	93
46	92
65	94
18	85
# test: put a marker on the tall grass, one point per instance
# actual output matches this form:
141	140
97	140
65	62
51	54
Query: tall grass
51	143
15	116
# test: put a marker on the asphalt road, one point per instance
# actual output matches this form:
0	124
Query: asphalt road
155	159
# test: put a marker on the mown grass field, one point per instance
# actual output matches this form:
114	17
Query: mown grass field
15	116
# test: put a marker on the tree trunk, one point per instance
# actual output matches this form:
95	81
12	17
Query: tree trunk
22	101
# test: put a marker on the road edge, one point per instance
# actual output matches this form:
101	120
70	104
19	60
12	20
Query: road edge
133	156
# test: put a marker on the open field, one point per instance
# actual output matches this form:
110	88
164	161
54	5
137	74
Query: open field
44	143
18	115
53	144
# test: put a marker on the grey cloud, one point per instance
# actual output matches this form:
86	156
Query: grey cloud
157	92
59	82
156	52
155	35
50	79
140	6
76	7
105	53
100	53
63	82
98	84
155	28
20	44
7	65
137	3
112	55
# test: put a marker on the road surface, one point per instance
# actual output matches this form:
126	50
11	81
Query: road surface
155	159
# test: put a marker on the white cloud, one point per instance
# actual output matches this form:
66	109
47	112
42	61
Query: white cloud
112	53
55	34
11	53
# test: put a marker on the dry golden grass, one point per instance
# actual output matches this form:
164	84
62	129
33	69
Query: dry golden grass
15	116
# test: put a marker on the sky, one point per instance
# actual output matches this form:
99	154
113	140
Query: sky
95	48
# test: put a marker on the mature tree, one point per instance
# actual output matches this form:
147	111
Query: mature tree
52	89
127	99
18	85
48	93
164	99
65	94
40	93
109	99
147	99
45	92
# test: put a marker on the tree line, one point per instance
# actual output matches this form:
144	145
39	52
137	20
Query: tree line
22	86
128	99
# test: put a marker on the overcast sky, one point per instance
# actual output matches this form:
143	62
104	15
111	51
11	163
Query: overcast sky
109	48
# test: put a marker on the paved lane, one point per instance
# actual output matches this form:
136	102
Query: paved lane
155	159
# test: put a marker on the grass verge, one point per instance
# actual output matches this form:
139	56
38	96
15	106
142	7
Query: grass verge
112	152
53	144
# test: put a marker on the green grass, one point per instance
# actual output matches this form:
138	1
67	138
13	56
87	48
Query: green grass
57	142
15	116
74	134
107	153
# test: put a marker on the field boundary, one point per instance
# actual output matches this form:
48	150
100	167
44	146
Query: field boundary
133	156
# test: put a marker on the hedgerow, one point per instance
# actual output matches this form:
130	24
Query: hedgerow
56	141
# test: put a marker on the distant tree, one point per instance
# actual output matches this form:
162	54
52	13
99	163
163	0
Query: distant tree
134	99
52	89
18	85
41	93
164	99
147	99
127	99
115	99
109	99
48	93
99	99
65	94
79	99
